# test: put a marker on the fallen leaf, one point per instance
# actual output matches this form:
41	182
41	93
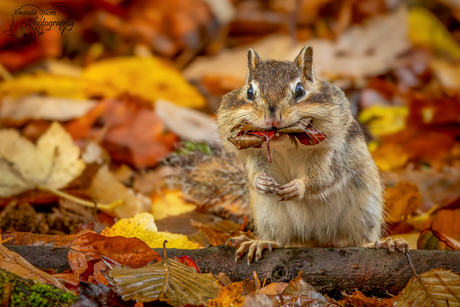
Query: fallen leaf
33	239
42	107
363	50
275	288
447	73
168	280
402	200
217	236
51	163
169	203
230	295
432	239
442	285
384	119
142	226
186	260
445	220
358	299
43	83
187	123
14	263
130	252
105	188
147	77
425	29
390	157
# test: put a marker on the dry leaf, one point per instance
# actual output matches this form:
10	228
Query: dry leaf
142	226
14	263
358	299
187	123
426	30
384	119
217	236
47	108
146	77
402	200
432	239
390	157
170	203
32	239
230	295
168	280
445	220
52	163
105	188
442	285
43	83
130	252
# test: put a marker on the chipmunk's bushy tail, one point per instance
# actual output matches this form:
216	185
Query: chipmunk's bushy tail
210	178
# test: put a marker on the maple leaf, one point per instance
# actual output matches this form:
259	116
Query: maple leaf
52	163
168	280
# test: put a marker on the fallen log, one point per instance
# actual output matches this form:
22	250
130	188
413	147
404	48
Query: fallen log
329	270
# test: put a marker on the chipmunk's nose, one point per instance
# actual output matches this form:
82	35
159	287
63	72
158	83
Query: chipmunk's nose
272	123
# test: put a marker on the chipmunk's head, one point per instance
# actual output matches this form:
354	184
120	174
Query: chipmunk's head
284	97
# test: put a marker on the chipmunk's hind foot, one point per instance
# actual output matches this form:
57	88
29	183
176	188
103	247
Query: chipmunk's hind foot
252	245
390	244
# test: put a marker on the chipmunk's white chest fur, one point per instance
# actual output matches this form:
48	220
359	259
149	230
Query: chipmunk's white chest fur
343	215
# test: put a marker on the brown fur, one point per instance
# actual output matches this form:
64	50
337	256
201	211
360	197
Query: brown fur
339	192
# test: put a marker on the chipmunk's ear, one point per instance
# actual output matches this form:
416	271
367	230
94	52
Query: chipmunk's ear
253	60
305	63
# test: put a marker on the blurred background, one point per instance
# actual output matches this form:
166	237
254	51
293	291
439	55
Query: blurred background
136	83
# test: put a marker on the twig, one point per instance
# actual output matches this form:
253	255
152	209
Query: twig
419	280
80	201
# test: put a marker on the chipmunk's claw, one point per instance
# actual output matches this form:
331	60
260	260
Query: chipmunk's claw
290	190
390	244
253	246
266	185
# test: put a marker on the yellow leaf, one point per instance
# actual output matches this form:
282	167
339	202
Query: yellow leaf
426	30
142	226
51	163
170	203
43	83
145	77
384	119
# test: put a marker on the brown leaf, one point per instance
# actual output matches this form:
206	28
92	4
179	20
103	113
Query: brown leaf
275	288
168	280
432	239
14	263
32	239
216	236
130	252
402	200
440	284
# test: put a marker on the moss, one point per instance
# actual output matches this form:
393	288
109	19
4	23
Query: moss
27	292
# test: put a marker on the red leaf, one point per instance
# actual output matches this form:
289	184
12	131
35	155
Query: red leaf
188	262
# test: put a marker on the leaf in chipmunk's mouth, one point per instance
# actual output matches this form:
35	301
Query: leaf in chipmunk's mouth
305	133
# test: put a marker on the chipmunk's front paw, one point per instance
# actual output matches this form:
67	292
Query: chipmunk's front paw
266	185
390	244
291	190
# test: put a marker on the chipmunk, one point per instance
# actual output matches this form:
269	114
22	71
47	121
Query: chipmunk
324	192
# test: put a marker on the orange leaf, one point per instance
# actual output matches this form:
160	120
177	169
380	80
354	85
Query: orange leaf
229	296
402	200
130	252
33	239
358	299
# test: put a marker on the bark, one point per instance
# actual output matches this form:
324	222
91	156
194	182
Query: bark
329	270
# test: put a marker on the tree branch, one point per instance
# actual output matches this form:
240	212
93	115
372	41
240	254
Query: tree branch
329	270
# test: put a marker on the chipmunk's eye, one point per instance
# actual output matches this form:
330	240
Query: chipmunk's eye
299	91
250	93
